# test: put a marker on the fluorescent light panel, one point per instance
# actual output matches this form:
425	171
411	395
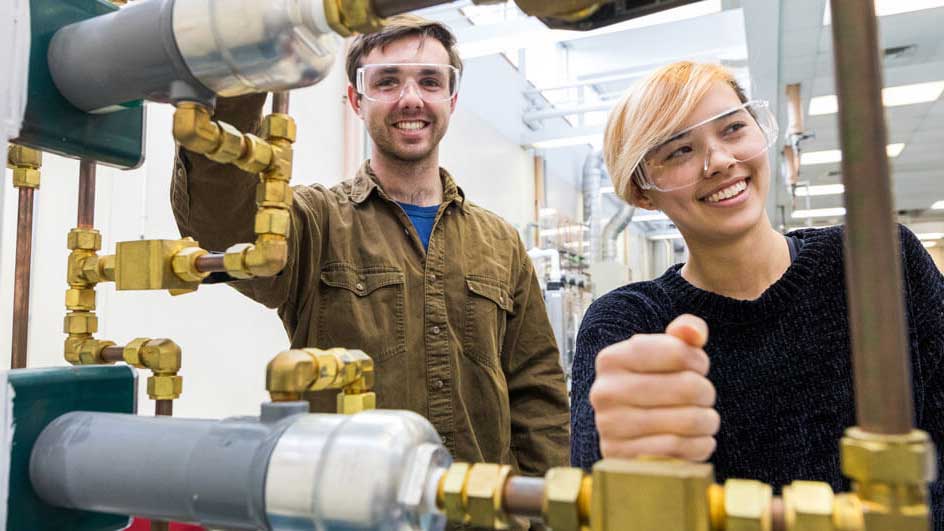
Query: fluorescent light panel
938	206
835	155
930	235
649	215
891	97
891	7
819	213
820	189
665	236
928	245
568	141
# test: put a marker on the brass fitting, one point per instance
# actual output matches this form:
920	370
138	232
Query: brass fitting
230	146
96	268
272	193
451	493
72	346
162	357
348	17
351	403
808	506
278	126
640	494
293	372
80	323
570	10
90	351
184	264
26	177
484	492
275	221
747	505
23	157
164	387
234	260
848	514
281	167
194	129
563	487
147	265
84	239
256	155
80	299
890	474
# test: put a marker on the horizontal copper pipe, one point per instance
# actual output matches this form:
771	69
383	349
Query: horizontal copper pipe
210	263
523	496
86	210
113	354
21	278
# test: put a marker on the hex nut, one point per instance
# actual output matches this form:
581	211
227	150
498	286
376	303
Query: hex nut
164	387
71	349
80	299
747	504
561	492
281	167
273	221
194	129
349	404
274	193
90	351
888	458
453	493
257	154
809	506
184	264
161	356
22	156
84	239
90	270
484	489
132	352
230	146
106	267
26	177
278	127
80	323
234	260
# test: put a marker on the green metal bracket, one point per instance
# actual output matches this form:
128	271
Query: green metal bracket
51	123
35	397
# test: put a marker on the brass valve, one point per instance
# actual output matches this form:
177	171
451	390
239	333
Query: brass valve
293	373
157	264
348	17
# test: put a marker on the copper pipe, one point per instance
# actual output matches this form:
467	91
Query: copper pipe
86	210
523	496
113	354
873	268
21	278
164	408
778	515
210	263
280	102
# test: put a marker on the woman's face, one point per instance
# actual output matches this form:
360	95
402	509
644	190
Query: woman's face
728	196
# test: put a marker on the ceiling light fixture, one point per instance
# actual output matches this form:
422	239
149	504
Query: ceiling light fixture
930	235
819	189
891	7
675	235
928	245
938	206
891	97
568	141
835	155
819	213
649	215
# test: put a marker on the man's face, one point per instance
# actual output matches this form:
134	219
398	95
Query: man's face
409	129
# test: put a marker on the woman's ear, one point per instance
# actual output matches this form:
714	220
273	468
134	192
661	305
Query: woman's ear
639	197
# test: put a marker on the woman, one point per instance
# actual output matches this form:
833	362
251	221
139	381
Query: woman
769	395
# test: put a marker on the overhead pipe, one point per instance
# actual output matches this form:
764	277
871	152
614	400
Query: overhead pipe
613	229
593	199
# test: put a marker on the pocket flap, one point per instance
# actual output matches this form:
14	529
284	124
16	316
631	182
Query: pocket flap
491	291
362	281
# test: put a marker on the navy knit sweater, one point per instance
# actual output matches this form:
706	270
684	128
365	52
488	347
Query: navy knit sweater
780	364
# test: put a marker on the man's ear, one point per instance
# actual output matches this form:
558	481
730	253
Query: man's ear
354	99
452	103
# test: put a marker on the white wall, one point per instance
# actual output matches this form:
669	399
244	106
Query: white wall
226	338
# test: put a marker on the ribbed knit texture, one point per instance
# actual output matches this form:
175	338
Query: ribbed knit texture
780	364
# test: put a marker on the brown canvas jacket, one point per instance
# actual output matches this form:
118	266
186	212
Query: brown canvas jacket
458	333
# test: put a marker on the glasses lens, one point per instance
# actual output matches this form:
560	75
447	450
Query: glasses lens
389	82
740	134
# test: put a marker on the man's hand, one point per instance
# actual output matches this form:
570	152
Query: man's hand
651	396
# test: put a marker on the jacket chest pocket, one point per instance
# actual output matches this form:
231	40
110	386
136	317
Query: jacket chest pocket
488	306
362	308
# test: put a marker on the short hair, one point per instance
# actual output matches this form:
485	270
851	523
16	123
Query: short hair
651	112
394	29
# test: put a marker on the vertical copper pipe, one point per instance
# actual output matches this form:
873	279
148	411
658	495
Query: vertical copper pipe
21	278
86	210
280	102
873	269
163	408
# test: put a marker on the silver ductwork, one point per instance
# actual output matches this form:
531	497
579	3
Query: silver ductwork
613	229
593	200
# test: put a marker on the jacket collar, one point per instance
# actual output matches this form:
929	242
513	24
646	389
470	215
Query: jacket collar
365	182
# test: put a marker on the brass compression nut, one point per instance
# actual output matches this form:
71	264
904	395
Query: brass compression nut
24	157
267	257
747	505
230	146
132	352
273	221
80	323
193	128
80	299
161	355
562	486
452	487
808	506
907	458
484	491
256	154
84	239
90	351
26	177
71	348
234	260
347	17
164	387
274	193
290	373
184	264
278	127
566	9
349	404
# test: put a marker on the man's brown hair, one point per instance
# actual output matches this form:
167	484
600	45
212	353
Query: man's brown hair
396	28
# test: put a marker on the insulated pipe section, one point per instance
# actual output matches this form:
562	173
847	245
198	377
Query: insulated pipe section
613	229
284	470
169	51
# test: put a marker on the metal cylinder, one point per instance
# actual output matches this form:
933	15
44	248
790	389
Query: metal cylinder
524	496
873	257
85	218
613	229
280	102
593	201
211	263
374	470
21	278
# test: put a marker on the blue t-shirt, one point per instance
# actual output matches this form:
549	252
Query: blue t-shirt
422	218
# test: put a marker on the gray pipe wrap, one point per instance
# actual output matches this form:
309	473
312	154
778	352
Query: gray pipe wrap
206	471
122	57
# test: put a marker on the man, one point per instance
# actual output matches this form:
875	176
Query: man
398	263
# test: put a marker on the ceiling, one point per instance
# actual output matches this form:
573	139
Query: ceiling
767	43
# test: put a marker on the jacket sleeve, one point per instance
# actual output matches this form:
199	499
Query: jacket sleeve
216	205
537	393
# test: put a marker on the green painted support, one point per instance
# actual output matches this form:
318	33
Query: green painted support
38	396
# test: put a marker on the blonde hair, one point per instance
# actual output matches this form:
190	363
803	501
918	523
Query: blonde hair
650	112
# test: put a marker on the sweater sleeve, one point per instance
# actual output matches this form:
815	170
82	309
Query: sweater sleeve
924	286
615	317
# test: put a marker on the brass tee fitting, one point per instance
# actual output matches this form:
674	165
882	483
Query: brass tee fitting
293	373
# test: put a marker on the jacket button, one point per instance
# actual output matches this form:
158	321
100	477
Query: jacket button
435	330
432	277
359	286
439	384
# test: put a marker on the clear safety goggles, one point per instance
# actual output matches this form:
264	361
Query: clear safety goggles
388	82
742	133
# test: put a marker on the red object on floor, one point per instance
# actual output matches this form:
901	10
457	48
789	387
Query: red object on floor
140	524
